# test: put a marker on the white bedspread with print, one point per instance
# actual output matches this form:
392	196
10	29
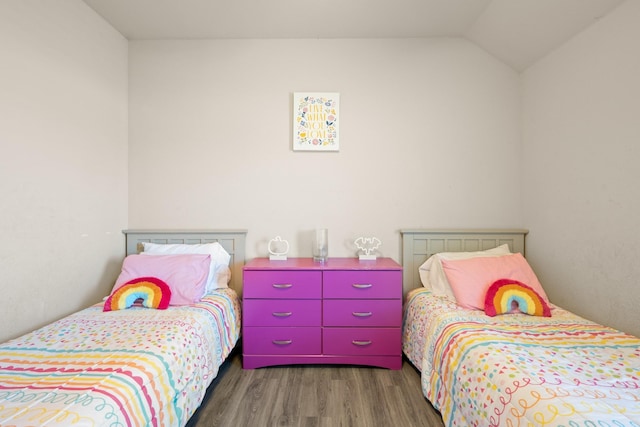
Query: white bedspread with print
520	370
133	367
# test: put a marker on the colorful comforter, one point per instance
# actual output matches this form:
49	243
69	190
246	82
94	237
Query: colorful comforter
133	367
520	370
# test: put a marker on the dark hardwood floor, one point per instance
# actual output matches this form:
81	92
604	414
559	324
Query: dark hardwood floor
315	396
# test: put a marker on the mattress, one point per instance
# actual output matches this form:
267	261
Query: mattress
521	370
133	367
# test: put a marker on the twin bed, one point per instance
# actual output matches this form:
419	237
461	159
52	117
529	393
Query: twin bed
482	361
479	368
132	365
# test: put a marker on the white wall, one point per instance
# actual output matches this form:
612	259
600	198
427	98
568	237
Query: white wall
63	167
429	137
430	133
581	174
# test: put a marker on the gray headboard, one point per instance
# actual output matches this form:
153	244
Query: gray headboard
233	241
420	244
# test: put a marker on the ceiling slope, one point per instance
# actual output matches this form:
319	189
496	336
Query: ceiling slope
518	32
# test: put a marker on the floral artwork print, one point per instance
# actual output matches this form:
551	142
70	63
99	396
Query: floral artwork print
315	121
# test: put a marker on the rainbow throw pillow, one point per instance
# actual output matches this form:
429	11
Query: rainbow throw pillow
150	291
510	296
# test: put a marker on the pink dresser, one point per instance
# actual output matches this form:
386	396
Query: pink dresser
341	311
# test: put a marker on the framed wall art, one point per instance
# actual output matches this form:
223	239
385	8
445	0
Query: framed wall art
316	121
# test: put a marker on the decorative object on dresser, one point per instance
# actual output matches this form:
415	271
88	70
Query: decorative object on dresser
342	311
369	246
278	249
320	248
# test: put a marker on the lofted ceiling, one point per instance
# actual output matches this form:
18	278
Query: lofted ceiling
518	32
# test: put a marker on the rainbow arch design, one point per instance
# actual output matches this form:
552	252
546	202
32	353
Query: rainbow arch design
153	292
506	296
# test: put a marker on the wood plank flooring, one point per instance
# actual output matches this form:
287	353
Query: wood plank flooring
315	396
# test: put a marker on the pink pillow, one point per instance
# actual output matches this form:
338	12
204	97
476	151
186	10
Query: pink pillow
186	275
470	278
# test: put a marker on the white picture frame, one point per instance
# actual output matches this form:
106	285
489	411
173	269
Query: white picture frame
316	121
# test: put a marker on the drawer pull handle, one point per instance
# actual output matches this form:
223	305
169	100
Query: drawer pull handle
362	314
282	314
361	343
362	285
282	342
282	285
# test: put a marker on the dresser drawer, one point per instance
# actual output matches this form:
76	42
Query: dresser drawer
377	312
362	284
362	341
285	312
277	341
282	284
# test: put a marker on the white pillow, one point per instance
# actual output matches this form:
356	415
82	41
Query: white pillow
432	274
219	272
